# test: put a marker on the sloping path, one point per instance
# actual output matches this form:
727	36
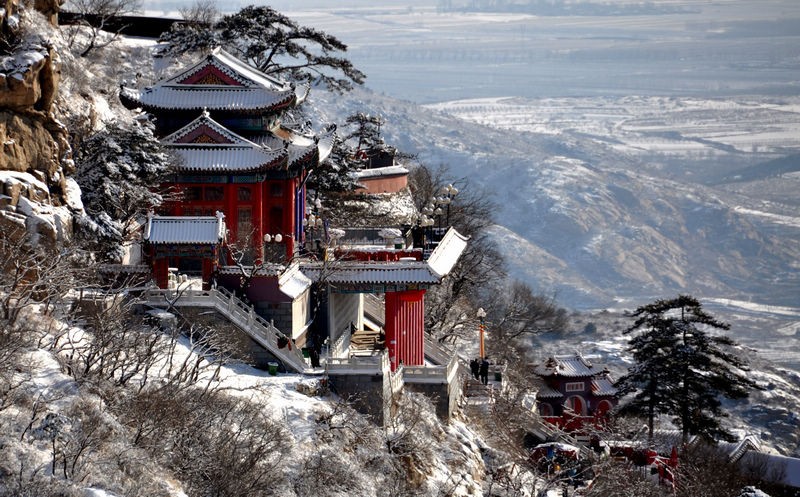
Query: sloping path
237	312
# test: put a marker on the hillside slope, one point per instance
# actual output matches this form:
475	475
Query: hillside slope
570	201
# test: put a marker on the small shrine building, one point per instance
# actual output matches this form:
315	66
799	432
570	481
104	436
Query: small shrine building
572	390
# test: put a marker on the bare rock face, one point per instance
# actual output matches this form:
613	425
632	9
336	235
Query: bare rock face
35	155
49	8
32	143
30	80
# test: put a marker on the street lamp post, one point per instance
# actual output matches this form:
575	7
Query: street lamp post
481	329
448	193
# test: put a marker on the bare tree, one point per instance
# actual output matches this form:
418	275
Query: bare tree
98	18
200	13
518	311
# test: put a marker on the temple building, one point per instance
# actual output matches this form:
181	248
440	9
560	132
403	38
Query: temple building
223	119
572	390
243	225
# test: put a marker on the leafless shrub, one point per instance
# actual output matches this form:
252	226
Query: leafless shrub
621	478
706	470
411	434
215	444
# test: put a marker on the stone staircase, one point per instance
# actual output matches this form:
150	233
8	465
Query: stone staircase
366	340
237	312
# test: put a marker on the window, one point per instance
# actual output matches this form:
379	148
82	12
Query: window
276	220
192	193
214	193
243	194
276	190
244	221
577	386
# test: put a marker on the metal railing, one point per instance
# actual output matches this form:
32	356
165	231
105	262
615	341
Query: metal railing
238	312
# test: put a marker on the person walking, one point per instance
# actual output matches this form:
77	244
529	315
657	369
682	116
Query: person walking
484	370
473	367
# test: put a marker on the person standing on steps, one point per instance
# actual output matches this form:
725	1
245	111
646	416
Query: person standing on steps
484	370
473	367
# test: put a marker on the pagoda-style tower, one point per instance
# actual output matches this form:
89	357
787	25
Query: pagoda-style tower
236	95
223	119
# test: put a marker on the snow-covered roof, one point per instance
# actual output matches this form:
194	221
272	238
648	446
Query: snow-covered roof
603	386
301	147
574	366
447	252
736	450
293	282
772	467
439	265
380	172
218	82
545	392
207	146
185	229
372	272
267	269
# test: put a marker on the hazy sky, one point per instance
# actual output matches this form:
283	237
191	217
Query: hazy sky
681	47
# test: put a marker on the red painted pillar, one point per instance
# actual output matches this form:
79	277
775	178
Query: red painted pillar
208	269
258	223
288	217
231	214
161	272
405	328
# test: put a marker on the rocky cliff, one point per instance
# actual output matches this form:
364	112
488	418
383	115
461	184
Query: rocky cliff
35	157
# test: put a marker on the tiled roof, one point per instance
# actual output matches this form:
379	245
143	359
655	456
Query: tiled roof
545	392
379	172
293	282
237	155
228	158
372	272
223	98
301	147
203	230
258	91
574	366
447	252
603	386
439	265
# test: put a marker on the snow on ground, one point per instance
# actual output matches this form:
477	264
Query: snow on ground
636	124
756	307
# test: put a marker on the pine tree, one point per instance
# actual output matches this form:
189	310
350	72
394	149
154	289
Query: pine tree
681	369
119	169
367	132
274	44
336	173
